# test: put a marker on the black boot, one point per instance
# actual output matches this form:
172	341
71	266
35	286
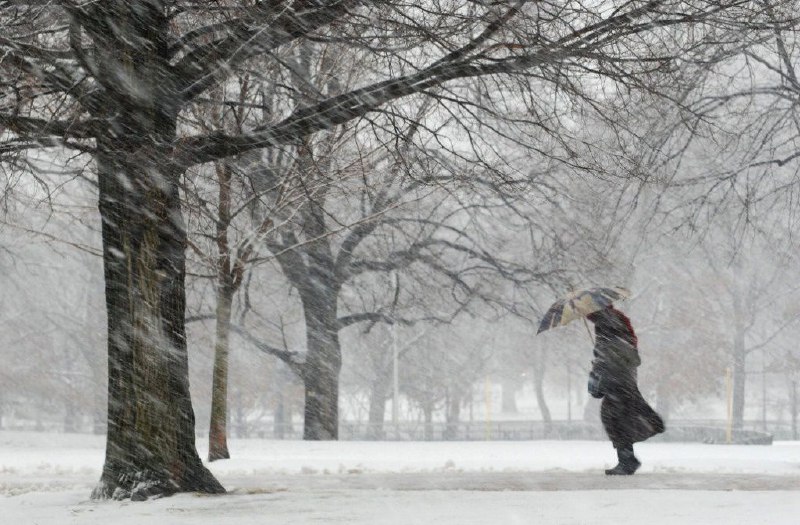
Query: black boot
628	464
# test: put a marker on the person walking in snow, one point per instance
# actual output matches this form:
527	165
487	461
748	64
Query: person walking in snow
626	416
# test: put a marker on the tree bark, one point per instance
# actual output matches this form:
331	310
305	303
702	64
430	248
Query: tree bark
218	427
319	289
323	364
150	446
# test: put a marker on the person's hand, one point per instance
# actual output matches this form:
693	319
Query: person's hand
594	386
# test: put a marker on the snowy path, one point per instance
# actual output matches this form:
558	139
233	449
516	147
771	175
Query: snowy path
45	479
514	481
389	507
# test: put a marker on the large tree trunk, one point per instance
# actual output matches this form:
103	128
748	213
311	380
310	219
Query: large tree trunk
323	363
150	449
217	433
314	275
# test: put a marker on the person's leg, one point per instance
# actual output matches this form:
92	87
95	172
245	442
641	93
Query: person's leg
627	462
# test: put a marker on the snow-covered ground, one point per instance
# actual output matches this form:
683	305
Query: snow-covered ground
45	479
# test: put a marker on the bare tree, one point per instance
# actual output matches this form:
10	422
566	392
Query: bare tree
224	221
752	291
323	263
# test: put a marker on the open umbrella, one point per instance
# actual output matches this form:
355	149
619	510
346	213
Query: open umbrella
579	304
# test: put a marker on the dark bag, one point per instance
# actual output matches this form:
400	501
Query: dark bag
594	385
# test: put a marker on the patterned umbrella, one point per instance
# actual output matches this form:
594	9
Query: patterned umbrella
579	304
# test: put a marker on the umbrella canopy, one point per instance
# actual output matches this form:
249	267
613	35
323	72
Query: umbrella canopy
580	303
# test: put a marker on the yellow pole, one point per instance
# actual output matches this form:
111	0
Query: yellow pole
729	396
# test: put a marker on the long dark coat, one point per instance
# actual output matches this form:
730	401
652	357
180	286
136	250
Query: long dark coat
626	416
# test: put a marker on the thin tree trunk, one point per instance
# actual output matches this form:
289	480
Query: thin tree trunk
427	409
70	416
377	408
739	372
279	418
239	419
453	416
217	432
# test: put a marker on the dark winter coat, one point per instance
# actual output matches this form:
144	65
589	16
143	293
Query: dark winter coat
626	416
